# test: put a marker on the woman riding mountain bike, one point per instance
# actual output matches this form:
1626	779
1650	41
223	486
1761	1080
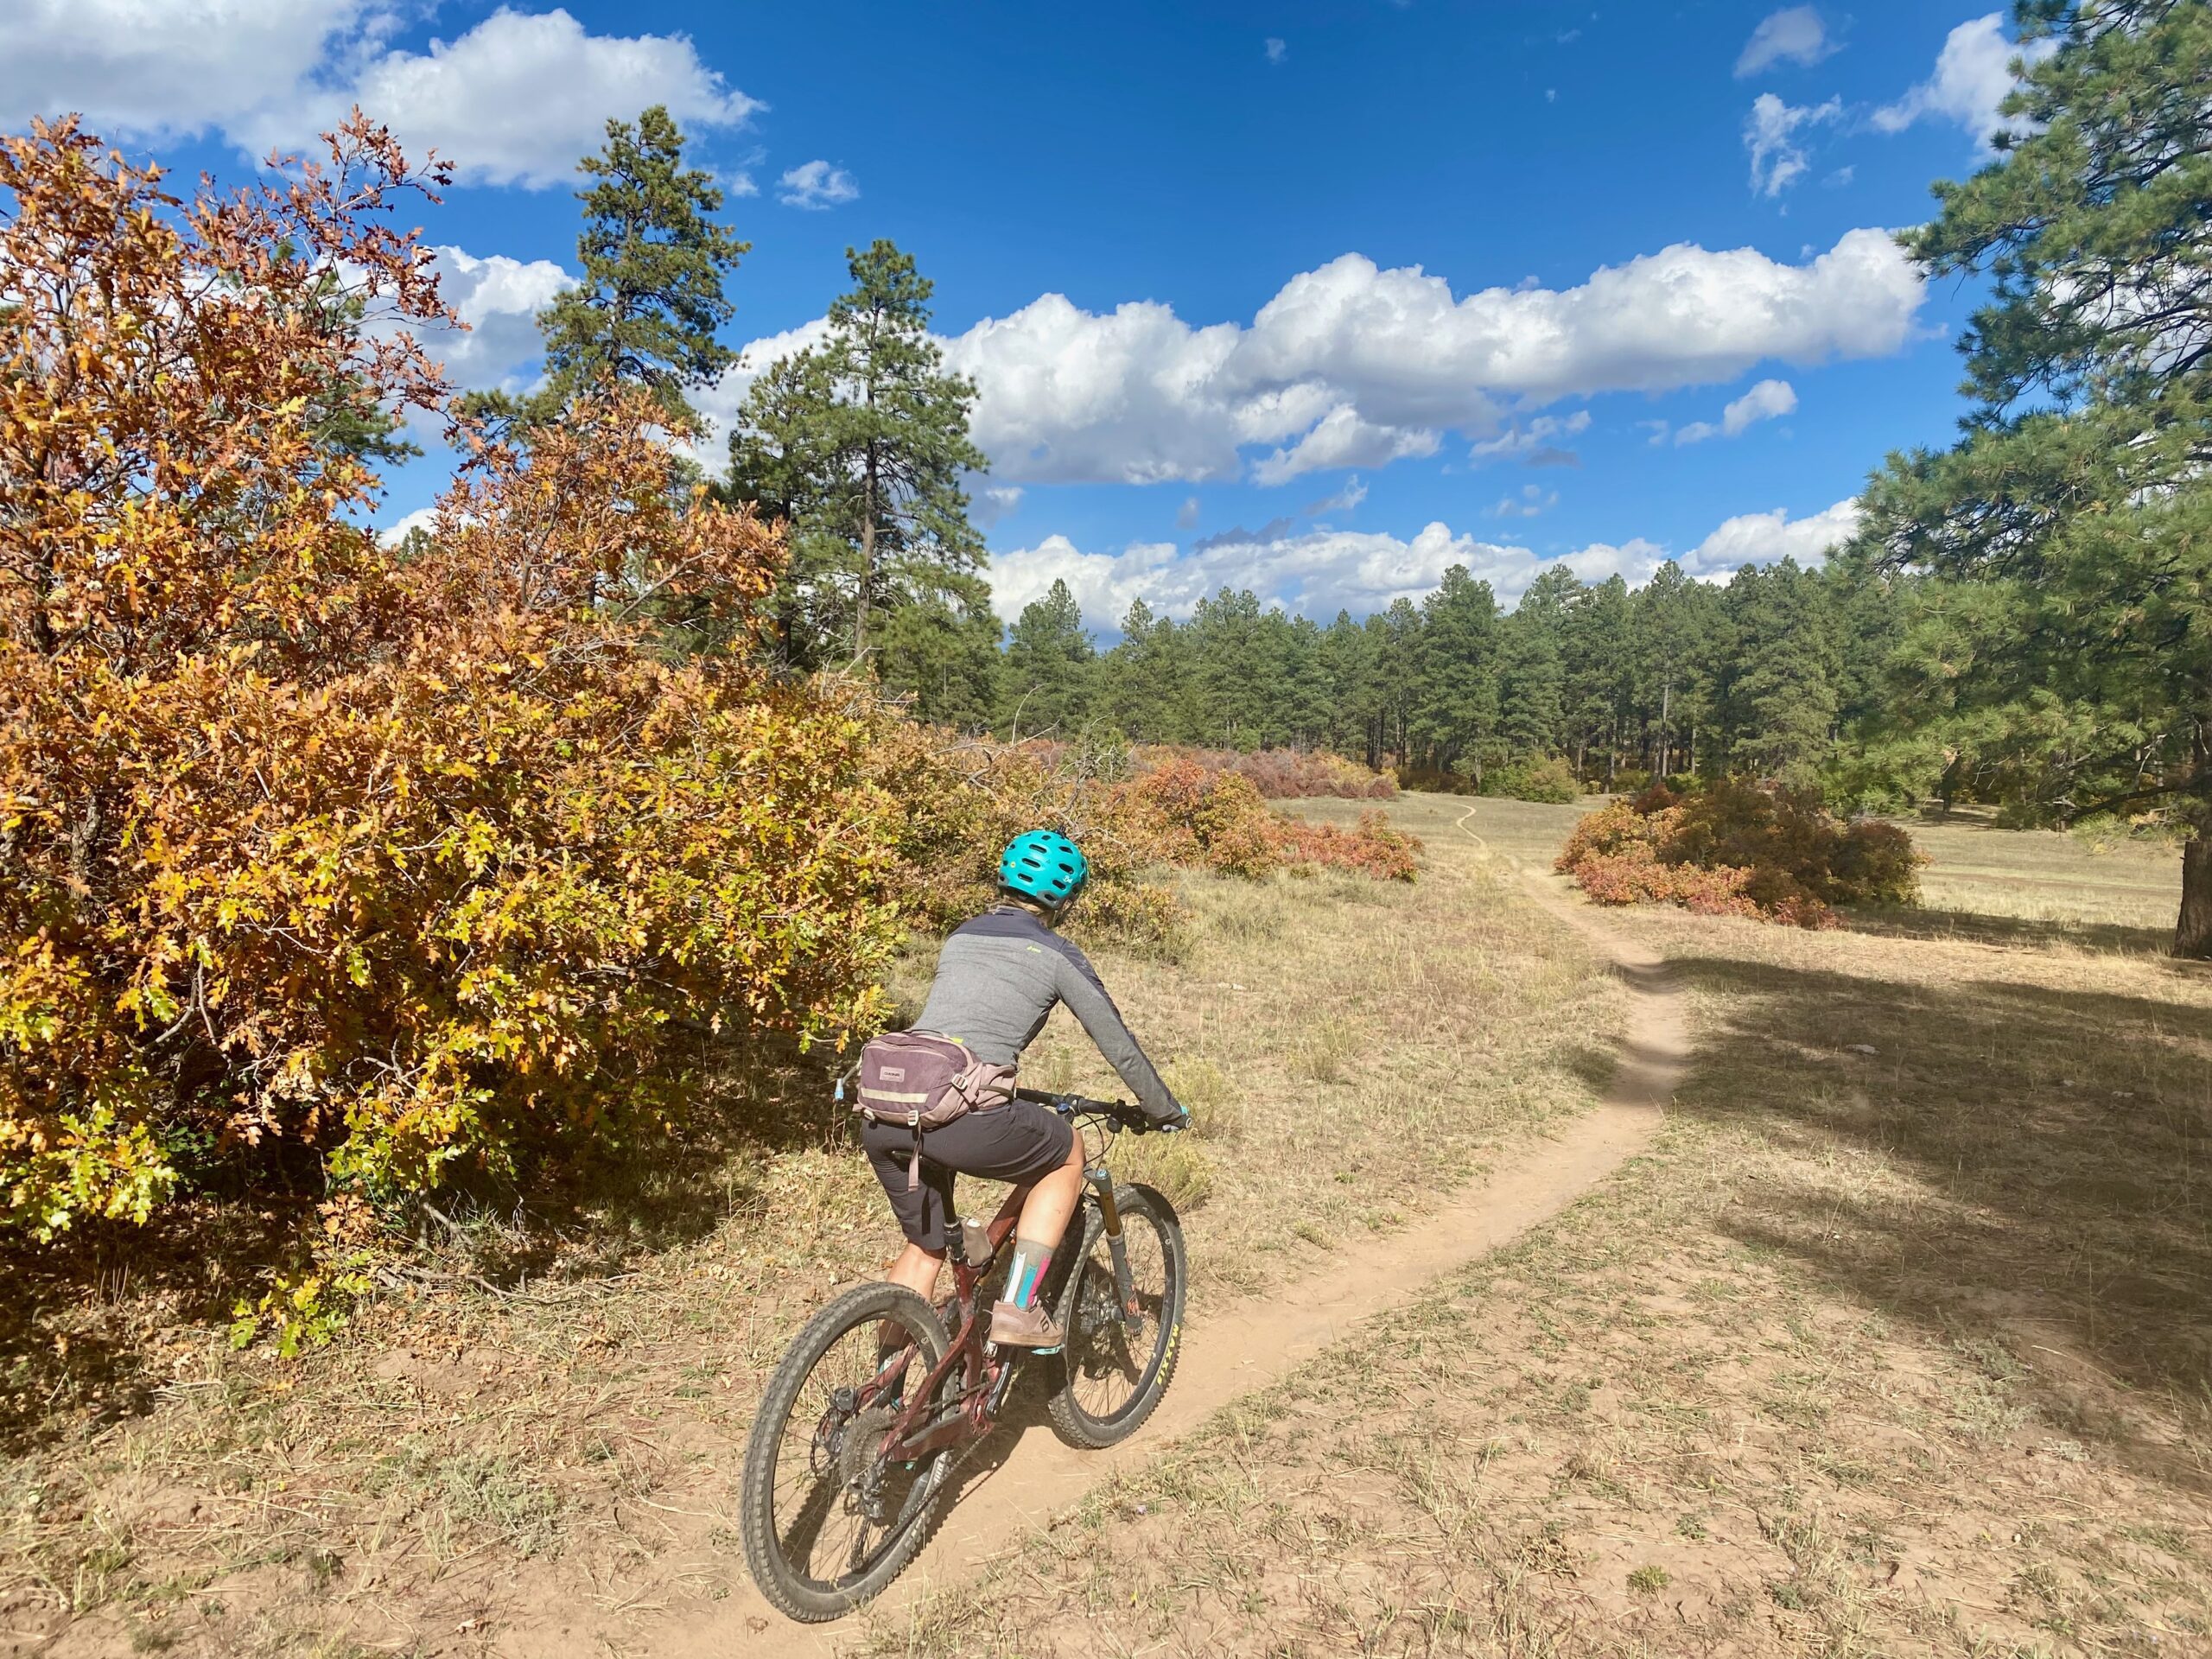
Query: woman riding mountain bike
997	979
867	1415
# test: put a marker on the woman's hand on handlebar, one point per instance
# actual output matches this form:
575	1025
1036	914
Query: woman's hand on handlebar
1120	1112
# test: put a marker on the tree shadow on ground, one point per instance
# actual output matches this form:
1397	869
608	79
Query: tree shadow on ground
2011	1163
662	1187
96	1320
1976	928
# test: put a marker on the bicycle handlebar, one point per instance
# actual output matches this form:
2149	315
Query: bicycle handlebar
1119	1112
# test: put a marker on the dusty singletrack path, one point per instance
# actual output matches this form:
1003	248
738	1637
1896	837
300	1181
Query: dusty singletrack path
1258	1342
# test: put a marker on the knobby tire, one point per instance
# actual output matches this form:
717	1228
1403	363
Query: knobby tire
789	1586
1095	1353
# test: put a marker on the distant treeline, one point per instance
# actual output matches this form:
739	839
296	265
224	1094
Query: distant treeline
1762	676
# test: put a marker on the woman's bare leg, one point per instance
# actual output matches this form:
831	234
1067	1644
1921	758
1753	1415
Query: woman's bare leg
1044	1212
1018	1320
917	1269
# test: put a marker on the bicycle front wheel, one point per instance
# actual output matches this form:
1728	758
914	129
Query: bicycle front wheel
1119	1357
828	1522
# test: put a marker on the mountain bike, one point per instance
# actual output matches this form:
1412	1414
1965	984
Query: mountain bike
879	1398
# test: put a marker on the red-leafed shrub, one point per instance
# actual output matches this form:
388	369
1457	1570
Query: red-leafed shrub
1741	849
965	800
1372	847
1282	774
1228	825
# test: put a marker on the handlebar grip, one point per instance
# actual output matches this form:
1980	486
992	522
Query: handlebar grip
1068	1105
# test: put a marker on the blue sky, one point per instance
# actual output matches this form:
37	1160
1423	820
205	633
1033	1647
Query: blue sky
1315	297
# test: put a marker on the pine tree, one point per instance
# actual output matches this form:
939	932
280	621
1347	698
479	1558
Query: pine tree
1308	687
1142	679
652	301
2082	490
1455	714
1238	681
1398	636
861	444
1598	652
1676	623
1779	703
1348	657
1051	667
945	655
1532	669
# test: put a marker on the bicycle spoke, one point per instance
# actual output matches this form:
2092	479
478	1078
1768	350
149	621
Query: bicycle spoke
1106	1355
835	1504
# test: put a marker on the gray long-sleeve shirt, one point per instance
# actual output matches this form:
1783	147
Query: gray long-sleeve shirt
997	980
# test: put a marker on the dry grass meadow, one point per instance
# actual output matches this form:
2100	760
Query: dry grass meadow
1898	1342
538	1420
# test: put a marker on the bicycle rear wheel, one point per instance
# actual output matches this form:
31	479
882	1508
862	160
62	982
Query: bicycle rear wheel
827	1520
1113	1369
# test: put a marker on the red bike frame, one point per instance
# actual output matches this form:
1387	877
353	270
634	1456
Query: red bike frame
986	1371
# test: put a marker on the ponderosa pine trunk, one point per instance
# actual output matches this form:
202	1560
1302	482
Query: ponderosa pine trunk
2193	929
867	563
2193	933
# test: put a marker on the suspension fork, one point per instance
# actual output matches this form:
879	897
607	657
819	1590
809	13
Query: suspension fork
1109	1210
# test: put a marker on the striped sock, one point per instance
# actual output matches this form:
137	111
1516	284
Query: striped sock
1024	1270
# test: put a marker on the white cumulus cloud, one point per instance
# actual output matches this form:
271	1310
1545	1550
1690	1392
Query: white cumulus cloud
1778	161
817	186
1353	365
1319	571
500	298
1067	394
167	66
1767	401
516	99
1766	538
1276	50
1794	35
1973	73
1342	438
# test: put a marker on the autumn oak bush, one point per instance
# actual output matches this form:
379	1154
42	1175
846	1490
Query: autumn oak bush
1136	815
379	866
400	859
1218	819
1736	849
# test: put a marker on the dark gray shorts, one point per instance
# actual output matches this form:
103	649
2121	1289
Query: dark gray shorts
1019	1142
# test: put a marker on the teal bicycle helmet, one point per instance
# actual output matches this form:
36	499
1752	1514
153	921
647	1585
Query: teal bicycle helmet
1044	865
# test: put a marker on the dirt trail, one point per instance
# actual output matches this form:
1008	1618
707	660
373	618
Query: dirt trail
1257	1343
